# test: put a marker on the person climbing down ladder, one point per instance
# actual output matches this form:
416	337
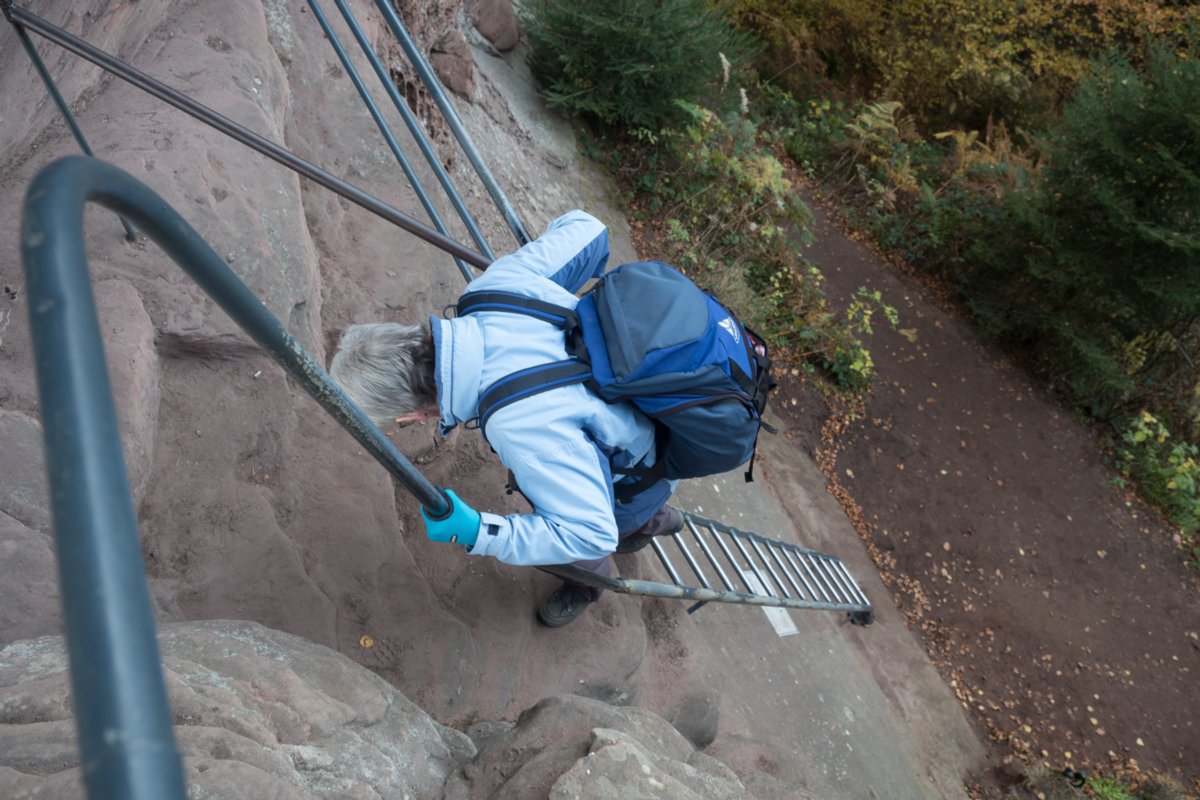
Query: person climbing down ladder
537	368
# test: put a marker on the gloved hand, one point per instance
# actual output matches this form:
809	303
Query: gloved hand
460	524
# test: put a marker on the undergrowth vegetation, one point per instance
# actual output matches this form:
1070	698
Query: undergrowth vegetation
665	90
1077	247
1042	166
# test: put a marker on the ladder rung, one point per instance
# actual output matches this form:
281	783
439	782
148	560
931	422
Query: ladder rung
816	579
827	590
770	569
666	562
854	587
783	568
737	542
709	553
774	573
787	553
833	565
687	556
737	567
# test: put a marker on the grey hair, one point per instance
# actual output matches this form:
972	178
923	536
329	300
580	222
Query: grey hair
386	368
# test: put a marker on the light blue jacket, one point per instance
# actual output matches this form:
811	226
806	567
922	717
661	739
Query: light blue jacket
564	444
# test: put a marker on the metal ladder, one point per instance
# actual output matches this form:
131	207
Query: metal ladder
768	571
772	573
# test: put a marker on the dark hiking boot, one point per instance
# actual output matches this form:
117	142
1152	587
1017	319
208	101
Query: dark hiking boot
637	540
564	605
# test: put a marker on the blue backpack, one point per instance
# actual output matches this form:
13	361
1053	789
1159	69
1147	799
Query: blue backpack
645	333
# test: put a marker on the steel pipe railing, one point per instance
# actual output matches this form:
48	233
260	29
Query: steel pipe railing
386	132
414	129
39	66
247	137
452	119
126	741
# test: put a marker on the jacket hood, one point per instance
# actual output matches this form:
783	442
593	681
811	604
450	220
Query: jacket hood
458	348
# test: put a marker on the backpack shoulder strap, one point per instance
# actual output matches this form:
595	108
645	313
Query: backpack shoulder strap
559	316
528	382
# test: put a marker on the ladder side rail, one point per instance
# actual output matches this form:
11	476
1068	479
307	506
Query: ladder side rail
388	137
712	558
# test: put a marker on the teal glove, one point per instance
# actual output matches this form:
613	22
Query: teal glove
460	524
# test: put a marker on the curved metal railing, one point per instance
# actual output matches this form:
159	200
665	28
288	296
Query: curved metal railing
126	743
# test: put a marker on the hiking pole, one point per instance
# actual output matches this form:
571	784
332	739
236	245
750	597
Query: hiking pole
126	741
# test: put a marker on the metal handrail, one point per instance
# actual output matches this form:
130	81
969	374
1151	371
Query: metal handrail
452	119
242	134
126	742
414	128
39	66
393	145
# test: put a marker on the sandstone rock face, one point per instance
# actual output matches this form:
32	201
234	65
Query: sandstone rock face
253	504
257	713
497	21
572	747
28	574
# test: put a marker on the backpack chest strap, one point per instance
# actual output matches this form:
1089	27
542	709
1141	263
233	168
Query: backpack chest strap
558	316
527	382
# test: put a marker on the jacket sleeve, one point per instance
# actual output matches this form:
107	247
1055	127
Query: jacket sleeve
569	486
572	250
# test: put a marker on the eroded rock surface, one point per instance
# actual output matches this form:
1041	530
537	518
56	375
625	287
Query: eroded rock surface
258	713
573	747
252	504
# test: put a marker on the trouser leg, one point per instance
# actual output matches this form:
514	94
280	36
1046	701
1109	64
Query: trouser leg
645	513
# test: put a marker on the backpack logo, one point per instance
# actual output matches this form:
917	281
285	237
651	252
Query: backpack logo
730	328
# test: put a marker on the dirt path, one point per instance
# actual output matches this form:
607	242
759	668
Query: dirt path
1058	609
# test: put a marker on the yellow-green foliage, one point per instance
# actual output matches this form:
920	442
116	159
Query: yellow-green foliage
731	219
729	194
956	60
1166	469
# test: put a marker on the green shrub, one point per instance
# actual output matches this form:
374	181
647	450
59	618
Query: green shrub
731	220
808	129
623	64
952	62
1167	470
1097	259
